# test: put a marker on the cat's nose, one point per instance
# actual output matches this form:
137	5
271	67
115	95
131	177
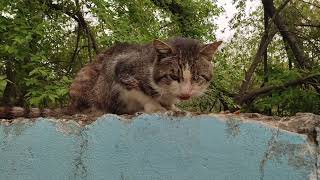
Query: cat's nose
184	96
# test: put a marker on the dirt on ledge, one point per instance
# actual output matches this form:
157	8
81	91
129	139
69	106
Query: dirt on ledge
302	123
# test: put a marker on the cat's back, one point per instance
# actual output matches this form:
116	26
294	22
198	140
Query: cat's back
126	52
93	82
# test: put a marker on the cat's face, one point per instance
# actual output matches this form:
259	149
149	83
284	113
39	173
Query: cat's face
183	68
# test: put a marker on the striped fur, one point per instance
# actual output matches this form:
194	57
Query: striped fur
11	112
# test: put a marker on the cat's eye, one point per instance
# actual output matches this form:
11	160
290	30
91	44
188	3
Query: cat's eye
201	78
205	77
174	77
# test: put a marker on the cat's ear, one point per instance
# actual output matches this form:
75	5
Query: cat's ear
210	49
162	47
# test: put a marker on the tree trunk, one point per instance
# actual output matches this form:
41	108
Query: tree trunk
9	94
289	37
289	54
268	111
275	16
265	54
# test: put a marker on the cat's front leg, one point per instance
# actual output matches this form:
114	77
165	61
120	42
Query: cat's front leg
128	82
174	108
154	107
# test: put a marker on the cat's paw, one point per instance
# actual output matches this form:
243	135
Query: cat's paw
154	108
138	113
177	113
175	108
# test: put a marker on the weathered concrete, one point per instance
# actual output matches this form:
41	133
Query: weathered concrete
302	123
154	146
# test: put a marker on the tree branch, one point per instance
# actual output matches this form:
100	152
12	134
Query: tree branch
75	13
75	52
308	25
264	42
178	11
312	4
268	89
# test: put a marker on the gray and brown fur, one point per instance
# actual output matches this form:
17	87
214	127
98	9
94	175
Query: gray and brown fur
137	78
130	78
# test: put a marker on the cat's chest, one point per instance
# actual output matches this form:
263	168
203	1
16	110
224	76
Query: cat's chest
167	100
136	100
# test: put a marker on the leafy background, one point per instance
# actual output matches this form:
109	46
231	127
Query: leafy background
45	42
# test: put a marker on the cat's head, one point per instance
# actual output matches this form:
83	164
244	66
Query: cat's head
183	68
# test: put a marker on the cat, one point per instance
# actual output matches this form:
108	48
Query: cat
131	78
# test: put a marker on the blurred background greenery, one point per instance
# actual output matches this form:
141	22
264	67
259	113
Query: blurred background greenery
45	42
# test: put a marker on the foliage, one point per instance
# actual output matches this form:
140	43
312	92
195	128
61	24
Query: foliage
43	45
45	42
238	55
55	91
3	83
290	102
